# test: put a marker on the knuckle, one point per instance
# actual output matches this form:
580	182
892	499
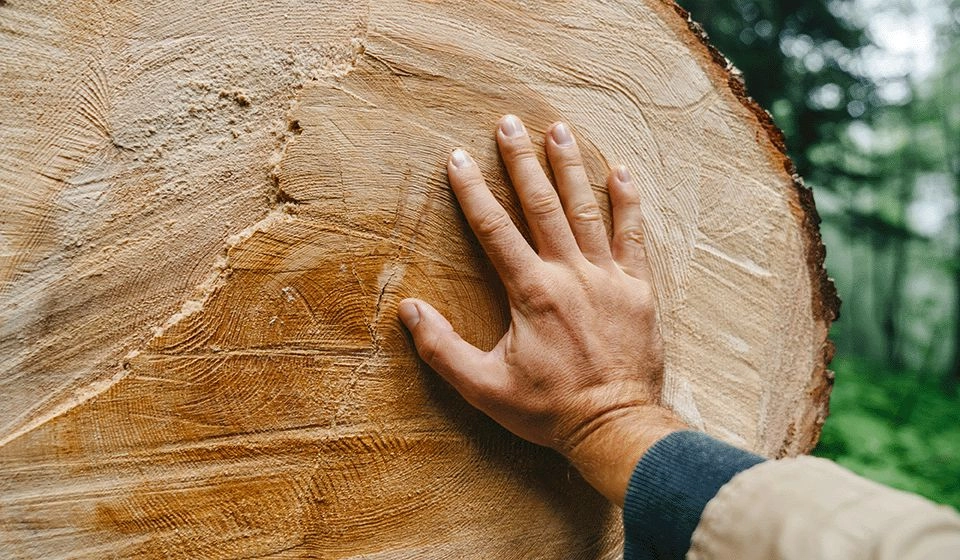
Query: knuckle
491	223
586	212
568	162
543	202
520	149
631	235
536	293
631	203
472	181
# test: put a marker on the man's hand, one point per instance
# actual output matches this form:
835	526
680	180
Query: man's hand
580	368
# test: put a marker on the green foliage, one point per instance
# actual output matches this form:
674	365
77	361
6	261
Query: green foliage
895	427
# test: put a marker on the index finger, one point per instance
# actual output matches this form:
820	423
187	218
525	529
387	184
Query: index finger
509	252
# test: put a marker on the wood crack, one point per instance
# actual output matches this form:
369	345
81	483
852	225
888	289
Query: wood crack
79	397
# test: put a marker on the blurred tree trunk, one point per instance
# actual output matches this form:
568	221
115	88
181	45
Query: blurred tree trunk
891	316
947	107
907	163
954	376
952	134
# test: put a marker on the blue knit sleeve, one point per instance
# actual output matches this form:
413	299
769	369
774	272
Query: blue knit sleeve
669	488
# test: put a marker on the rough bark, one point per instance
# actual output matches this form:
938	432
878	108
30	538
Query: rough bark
210	212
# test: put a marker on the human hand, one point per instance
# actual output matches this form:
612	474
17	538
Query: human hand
580	368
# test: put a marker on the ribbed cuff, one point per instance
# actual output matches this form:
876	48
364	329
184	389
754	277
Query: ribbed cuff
669	488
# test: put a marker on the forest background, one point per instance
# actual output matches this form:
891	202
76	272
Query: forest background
867	93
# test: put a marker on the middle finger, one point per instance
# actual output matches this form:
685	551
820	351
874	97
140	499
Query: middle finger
541	205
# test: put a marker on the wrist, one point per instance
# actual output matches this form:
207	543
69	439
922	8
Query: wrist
607	456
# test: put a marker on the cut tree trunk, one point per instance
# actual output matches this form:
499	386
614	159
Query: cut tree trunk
210	211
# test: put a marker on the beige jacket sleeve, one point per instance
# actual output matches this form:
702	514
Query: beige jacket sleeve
811	509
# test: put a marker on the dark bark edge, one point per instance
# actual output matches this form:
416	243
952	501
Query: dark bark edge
804	432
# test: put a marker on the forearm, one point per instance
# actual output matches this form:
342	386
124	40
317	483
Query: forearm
607	457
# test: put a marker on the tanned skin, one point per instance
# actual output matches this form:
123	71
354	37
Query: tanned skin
580	368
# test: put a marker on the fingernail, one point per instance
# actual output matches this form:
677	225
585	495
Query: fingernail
409	313
561	135
460	158
511	126
623	175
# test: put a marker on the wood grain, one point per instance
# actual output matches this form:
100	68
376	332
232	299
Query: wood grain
211	212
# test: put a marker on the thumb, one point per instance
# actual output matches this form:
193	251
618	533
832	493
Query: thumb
459	362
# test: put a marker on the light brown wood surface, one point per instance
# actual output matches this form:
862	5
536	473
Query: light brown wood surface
210	211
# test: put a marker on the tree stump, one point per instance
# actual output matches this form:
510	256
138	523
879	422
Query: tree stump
211	210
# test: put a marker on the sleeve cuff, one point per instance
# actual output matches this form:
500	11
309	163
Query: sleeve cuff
669	488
